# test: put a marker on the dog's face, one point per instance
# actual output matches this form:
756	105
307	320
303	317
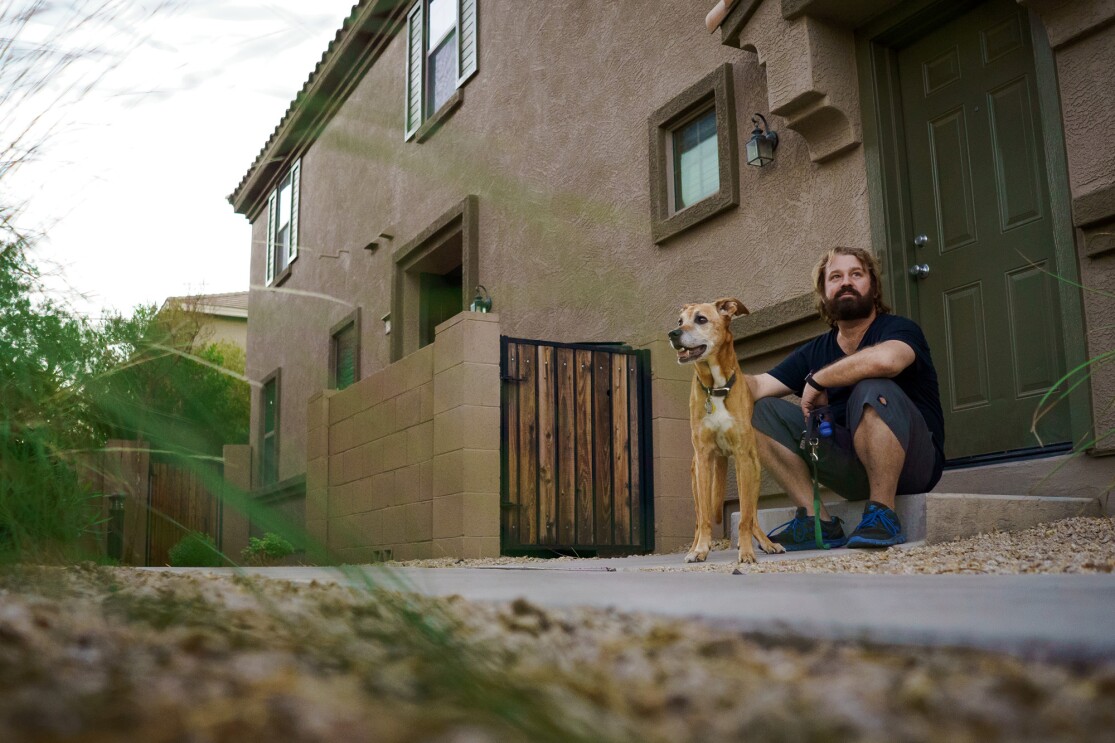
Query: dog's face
702	328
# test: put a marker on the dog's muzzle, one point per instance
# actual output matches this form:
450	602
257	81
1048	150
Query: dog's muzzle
685	354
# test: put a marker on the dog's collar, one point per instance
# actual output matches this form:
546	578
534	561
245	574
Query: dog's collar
718	391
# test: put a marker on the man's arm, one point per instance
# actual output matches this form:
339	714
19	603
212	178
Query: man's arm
884	360
764	385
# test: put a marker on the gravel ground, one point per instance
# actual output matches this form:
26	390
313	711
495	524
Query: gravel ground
1077	545
96	654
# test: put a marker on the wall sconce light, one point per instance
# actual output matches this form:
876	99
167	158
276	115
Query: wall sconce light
482	302
760	148
386	323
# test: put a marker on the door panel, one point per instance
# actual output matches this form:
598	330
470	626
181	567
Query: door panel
978	189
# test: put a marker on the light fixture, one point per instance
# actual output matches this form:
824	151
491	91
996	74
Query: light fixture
482	302
760	148
386	323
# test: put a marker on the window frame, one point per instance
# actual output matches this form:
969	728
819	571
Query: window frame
273	274
419	122
351	320
267	478
713	92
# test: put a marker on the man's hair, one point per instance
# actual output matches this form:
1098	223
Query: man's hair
868	260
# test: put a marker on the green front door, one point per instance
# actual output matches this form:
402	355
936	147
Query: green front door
981	223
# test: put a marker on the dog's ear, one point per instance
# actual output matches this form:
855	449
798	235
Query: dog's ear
731	307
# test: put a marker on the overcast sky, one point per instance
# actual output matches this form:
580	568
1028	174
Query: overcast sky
132	190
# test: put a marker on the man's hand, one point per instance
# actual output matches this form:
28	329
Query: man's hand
811	399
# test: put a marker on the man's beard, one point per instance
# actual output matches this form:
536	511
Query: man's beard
850	305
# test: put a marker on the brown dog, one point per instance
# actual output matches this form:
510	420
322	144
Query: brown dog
720	407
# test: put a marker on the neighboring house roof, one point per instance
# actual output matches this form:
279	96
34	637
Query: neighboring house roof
231	304
365	32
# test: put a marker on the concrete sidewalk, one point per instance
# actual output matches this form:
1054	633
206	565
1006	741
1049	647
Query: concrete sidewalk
1056	616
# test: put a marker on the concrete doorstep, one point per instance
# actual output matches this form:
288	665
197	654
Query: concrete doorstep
943	517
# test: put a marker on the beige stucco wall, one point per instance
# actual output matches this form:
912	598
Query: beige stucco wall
1083	40
552	137
232	330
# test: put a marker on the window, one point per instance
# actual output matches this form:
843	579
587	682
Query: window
269	430
696	171
694	161
344	352
441	56
435	276
282	225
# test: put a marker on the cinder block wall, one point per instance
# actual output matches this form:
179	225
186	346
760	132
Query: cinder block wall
406	461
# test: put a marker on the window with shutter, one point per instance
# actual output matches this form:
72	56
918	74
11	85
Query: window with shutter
269	430
344	352
441	56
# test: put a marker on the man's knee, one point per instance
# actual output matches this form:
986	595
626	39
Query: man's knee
770	415
872	392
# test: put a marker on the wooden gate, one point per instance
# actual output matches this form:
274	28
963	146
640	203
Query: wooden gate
178	502
576	448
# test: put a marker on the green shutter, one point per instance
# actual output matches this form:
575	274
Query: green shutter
269	269
295	177
345	349
466	36
415	60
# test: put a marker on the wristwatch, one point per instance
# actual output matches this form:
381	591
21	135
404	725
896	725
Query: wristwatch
809	380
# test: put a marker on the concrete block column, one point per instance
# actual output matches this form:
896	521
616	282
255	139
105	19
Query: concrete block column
674	518
466	408
317	471
238	483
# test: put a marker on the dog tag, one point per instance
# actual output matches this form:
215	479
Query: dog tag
708	406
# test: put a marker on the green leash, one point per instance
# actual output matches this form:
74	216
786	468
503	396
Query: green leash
810	438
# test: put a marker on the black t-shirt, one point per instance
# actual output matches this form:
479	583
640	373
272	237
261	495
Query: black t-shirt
918	380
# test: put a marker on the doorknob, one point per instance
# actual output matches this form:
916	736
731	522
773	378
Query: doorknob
919	271
921	240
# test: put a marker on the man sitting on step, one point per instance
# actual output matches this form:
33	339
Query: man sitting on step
874	373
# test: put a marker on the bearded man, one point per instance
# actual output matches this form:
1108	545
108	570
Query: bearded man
872	377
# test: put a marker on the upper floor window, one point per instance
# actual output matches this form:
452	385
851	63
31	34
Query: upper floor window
694	161
441	56
282	224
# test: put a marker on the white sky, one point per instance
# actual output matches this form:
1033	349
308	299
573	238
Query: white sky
131	191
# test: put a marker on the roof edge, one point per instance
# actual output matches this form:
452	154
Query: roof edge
364	34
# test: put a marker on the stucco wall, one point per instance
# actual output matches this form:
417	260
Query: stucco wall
1083	40
552	138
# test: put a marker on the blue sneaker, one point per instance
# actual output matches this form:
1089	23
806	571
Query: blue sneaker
880	527
797	533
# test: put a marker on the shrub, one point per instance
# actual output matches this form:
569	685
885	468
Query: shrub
195	550
269	549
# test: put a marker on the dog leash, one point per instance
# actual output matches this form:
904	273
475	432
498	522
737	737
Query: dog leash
711	392
816	428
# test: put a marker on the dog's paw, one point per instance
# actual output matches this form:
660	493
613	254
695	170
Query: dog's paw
696	556
774	549
746	557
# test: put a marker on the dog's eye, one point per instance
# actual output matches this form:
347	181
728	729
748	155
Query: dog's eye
679	321
701	319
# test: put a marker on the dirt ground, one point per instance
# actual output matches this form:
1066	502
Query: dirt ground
115	654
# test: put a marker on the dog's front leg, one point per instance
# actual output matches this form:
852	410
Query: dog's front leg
748	475
703	500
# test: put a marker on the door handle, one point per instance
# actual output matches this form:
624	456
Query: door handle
919	271
921	241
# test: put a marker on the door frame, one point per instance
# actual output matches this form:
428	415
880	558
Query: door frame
877	45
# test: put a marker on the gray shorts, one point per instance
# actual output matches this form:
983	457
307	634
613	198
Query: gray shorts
838	467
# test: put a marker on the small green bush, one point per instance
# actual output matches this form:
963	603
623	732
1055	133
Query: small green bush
195	550
267	550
